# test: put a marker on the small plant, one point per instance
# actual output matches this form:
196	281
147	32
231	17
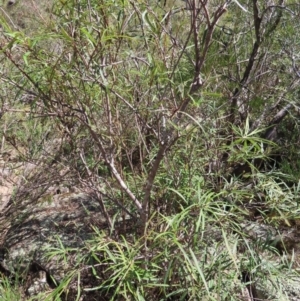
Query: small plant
9	291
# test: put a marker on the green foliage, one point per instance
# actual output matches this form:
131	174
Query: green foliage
124	96
9	292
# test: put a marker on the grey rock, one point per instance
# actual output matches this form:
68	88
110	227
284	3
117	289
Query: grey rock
283	288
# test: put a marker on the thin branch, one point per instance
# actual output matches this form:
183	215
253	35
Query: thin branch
253	55
271	132
112	168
